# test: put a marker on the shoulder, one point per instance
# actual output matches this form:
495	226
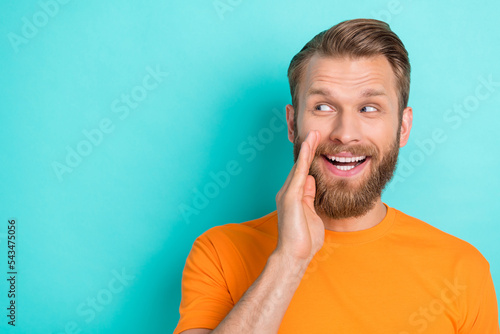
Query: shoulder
266	225
251	233
431	240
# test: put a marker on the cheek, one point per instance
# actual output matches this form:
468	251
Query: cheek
305	125
382	136
383	129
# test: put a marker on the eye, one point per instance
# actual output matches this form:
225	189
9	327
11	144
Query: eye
368	109
322	107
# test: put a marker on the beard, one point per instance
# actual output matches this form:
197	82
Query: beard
345	198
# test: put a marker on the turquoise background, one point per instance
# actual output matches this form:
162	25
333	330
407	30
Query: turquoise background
119	211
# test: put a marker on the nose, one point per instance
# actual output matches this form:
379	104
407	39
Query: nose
345	129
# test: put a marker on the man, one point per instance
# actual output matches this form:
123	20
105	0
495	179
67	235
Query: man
334	258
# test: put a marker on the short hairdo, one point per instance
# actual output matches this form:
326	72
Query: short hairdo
355	38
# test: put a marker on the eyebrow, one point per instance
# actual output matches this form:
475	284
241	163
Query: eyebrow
319	91
372	92
325	92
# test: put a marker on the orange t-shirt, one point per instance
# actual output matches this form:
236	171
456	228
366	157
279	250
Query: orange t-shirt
402	276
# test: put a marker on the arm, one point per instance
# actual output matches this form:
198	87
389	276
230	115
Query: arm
483	317
301	235
263	305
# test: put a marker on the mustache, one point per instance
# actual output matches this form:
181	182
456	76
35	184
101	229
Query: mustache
332	149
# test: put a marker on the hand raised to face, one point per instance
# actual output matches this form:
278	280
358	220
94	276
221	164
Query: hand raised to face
301	230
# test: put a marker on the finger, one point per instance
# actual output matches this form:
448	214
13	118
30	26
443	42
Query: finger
318	139
292	171
312	142
285	186
303	162
314	146
310	191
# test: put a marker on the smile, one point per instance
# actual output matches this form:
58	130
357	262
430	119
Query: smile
342	165
346	163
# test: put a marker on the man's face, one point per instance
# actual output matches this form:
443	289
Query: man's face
353	103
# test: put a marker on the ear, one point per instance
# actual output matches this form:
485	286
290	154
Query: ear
290	112
406	126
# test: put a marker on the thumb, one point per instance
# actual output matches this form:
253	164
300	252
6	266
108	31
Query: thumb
310	191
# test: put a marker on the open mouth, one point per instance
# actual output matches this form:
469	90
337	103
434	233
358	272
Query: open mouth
343	164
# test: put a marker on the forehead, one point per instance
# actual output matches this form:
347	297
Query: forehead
349	76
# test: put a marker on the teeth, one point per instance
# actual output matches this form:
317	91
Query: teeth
346	159
345	167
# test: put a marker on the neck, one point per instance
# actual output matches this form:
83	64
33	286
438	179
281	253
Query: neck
374	216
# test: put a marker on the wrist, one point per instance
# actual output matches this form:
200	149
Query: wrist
288	265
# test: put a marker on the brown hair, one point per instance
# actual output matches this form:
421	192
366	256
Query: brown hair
355	38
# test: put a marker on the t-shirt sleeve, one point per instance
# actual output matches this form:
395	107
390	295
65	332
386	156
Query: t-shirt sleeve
205	296
483	318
